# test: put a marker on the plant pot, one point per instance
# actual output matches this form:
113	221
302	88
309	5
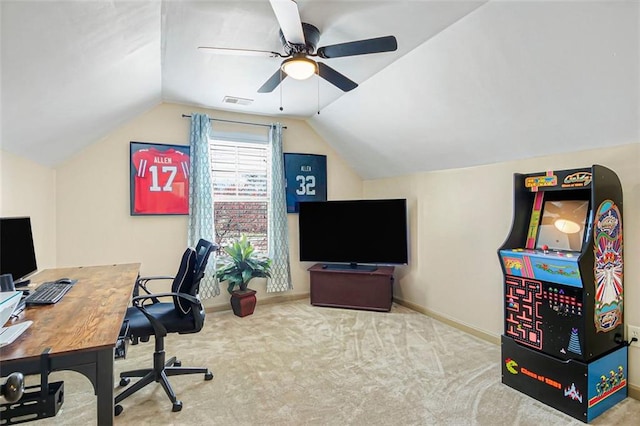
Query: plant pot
243	302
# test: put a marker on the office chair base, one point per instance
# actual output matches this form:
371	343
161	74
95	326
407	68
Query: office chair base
171	368
177	406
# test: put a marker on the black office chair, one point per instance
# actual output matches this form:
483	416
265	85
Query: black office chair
150	317
202	255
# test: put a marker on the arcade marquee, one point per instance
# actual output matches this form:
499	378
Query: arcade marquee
563	291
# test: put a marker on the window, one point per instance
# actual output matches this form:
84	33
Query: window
241	174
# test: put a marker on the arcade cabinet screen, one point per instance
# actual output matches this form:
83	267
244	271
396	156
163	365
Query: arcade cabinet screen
562	225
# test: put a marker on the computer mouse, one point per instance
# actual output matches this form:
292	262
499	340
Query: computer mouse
64	281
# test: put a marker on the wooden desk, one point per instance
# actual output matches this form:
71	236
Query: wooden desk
81	330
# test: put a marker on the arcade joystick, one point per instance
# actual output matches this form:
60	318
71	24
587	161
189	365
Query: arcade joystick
545	248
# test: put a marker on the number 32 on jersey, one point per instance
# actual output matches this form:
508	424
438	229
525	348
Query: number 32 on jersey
306	177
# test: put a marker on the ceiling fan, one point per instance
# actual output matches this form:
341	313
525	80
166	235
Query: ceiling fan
299	40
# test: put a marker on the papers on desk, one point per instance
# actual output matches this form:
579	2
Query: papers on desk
11	333
8	302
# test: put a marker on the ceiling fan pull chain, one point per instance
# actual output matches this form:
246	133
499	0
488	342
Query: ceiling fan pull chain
281	90
318	80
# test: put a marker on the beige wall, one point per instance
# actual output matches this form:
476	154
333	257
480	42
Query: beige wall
459	218
29	189
95	227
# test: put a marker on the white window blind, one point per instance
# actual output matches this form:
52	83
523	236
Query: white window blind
241	173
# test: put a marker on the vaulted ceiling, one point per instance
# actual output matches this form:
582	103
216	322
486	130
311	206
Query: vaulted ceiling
472	82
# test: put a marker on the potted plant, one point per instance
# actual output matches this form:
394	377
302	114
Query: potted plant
239	265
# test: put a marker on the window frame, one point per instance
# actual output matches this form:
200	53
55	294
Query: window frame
253	139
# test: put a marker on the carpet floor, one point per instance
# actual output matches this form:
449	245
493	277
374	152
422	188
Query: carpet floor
295	364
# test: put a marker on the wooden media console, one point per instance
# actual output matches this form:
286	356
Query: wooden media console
352	288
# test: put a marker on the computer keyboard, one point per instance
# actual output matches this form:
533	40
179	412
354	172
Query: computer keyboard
48	293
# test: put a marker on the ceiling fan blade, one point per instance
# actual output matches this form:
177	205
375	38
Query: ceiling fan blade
360	47
273	82
242	52
288	17
334	77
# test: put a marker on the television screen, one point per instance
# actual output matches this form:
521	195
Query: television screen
353	232
562	225
17	255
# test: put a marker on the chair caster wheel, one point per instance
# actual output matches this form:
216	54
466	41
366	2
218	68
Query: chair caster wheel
124	381
177	363
208	375
144	339
117	410
177	406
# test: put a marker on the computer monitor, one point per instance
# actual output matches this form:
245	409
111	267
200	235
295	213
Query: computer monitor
17	253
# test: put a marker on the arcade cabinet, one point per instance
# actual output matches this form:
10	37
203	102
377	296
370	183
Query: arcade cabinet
563	291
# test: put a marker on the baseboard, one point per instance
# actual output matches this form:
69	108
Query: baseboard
283	298
217	308
633	390
262	301
453	323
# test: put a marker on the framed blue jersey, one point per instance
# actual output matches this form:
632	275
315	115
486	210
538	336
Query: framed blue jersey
306	178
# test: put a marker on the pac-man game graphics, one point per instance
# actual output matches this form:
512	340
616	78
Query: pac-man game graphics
563	291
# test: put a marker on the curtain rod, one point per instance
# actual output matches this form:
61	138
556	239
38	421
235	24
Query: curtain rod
235	122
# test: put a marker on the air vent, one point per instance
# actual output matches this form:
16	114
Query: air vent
237	101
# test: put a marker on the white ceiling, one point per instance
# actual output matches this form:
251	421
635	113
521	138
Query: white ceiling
472	82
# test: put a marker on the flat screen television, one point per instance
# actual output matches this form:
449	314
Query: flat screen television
17	254
562	225
354	233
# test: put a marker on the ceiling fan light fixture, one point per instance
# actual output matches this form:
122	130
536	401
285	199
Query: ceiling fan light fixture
299	67
567	226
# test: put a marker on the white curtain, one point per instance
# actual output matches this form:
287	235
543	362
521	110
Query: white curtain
201	198
278	229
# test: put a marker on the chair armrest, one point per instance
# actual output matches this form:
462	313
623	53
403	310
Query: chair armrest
156	277
158	328
142	282
142	298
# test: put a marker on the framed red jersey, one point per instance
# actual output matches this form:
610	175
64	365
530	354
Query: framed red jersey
159	179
